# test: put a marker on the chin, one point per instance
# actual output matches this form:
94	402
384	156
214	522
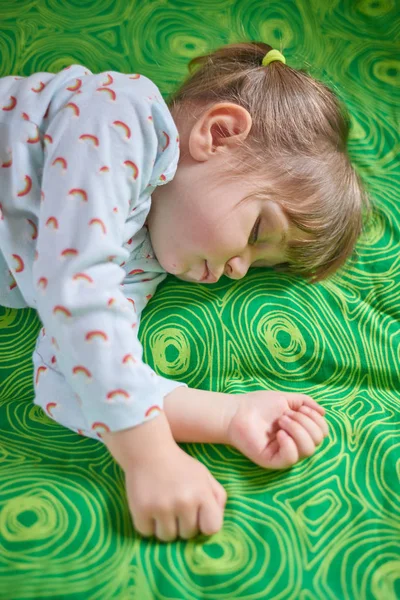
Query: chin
169	267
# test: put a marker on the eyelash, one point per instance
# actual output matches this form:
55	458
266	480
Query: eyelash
254	232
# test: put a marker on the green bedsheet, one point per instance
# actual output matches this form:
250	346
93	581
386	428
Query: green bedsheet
328	528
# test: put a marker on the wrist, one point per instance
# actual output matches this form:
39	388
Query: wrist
141	443
199	415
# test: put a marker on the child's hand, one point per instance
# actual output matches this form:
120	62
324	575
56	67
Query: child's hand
171	494
276	429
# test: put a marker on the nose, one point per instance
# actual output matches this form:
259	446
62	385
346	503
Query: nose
236	267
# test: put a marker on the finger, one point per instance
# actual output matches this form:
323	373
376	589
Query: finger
288	453
321	422
297	400
309	425
188	524
314	405
144	525
211	516
280	453
302	438
219	492
166	528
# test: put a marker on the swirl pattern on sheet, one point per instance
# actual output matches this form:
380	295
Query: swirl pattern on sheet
330	526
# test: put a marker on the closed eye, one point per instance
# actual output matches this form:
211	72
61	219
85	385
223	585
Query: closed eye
254	232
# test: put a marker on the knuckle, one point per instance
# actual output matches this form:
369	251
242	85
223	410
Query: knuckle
140	510
162	507
150	508
185	502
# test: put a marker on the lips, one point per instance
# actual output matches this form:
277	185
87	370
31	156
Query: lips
206	272
207	275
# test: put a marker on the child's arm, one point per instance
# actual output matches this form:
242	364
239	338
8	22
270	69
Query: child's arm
169	493
273	429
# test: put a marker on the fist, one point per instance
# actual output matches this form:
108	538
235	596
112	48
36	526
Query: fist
174	495
277	429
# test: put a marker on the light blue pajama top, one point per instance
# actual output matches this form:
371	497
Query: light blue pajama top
80	155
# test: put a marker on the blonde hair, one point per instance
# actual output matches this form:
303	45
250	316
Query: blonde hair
297	143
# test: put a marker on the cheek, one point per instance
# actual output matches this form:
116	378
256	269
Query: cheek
200	237
198	229
218	240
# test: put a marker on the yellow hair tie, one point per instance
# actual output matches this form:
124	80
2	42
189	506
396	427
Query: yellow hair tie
272	56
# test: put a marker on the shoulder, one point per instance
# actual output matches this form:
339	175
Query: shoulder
145	99
131	95
149	111
131	108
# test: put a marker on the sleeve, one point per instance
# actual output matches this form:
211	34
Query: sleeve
92	176
139	288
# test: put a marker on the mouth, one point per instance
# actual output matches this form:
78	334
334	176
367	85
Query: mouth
207	275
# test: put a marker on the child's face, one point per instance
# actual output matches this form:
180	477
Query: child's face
199	227
200	230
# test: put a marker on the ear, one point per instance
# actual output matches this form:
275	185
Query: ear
220	128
